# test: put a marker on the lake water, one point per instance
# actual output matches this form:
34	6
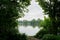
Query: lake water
29	30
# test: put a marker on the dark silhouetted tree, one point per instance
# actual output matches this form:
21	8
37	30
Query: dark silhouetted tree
51	24
10	11
52	8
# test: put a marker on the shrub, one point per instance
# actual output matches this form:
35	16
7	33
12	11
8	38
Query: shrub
49	37
58	37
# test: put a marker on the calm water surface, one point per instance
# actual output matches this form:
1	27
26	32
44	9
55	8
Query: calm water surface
28	30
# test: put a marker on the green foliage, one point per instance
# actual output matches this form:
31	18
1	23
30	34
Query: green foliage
41	33
51	25
49	37
23	37
10	11
13	37
45	5
51	8
46	22
58	37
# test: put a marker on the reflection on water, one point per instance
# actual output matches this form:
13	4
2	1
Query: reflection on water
30	23
28	30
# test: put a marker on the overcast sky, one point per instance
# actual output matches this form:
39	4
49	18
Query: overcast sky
35	12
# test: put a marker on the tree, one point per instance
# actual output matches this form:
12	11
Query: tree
10	11
46	24
52	7
50	25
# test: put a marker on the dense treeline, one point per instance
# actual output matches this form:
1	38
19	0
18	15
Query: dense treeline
30	23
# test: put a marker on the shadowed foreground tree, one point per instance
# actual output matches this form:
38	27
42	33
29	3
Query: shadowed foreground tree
52	9
10	11
46	24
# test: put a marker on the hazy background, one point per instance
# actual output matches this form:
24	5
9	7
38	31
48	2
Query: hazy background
35	12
